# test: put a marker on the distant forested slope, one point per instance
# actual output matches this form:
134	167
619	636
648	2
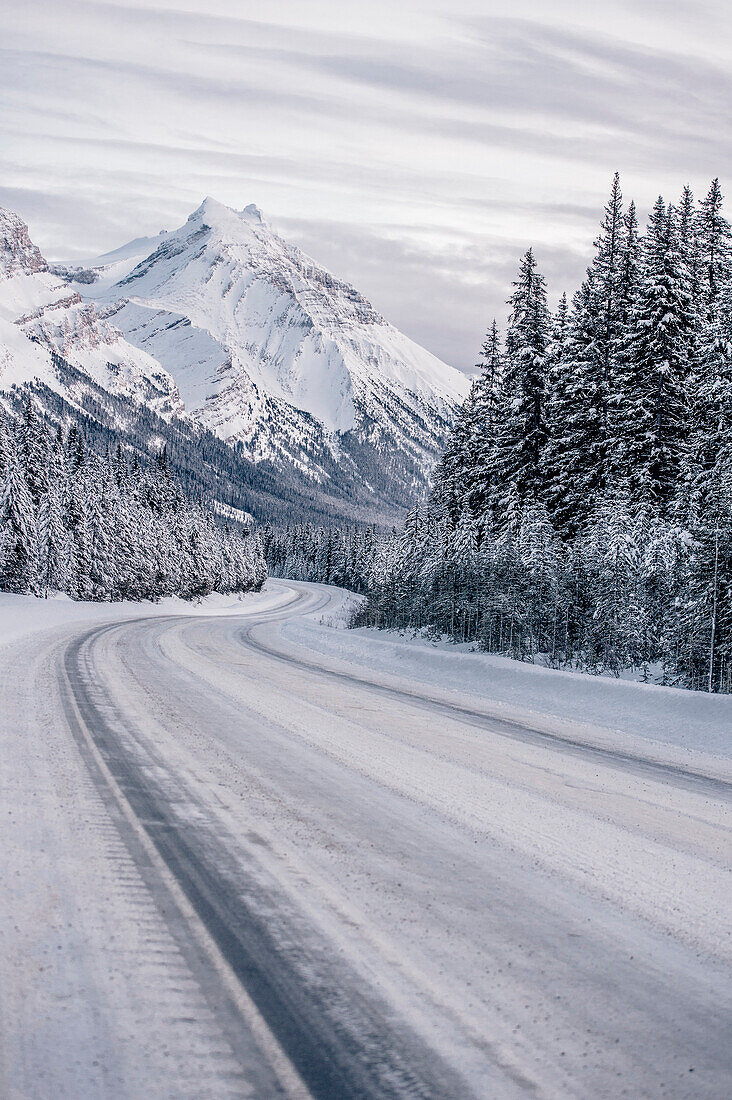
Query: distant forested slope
108	527
204	464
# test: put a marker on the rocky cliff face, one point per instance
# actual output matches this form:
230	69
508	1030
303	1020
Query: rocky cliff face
18	254
40	314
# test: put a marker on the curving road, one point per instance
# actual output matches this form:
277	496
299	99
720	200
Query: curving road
235	868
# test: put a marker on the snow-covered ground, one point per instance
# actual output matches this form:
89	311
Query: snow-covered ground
248	854
24	615
608	712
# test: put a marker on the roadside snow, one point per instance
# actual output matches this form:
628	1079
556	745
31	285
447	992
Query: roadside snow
612	713
23	615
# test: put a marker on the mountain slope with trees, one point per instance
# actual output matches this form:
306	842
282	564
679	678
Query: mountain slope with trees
108	528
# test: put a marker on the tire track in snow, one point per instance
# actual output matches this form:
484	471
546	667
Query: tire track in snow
337	1037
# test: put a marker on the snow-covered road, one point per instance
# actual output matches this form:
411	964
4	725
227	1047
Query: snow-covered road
234	865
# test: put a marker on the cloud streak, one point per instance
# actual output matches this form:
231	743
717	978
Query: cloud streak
416	150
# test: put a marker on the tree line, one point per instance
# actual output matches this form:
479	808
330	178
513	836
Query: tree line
327	555
107	527
582	511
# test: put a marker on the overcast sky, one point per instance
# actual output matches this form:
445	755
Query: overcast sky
416	148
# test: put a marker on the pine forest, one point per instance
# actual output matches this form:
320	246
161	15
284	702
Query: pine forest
581	515
108	528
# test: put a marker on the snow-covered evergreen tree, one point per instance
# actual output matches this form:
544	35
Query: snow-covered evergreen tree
33	448
53	542
592	527
606	273
575	453
654	416
106	528
18	538
481	454
521	433
714	239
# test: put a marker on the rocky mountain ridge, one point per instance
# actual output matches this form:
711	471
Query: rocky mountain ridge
224	323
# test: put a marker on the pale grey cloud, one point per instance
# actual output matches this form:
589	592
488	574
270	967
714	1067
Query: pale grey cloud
417	149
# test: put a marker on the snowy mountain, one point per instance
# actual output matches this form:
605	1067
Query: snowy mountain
42	319
270	350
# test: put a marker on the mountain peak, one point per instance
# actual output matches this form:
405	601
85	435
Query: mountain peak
247	323
209	210
217	215
253	213
262	346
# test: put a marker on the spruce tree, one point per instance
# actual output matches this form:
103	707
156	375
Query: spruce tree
18	541
710	445
488	382
574	457
654	419
521	433
52	542
6	445
584	381
687	224
622	393
450	479
33	449
715	248
606	269
480	494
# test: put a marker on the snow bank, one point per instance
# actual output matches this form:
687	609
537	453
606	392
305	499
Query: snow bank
612	713
23	615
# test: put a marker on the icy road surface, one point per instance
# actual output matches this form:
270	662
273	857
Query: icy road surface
238	866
